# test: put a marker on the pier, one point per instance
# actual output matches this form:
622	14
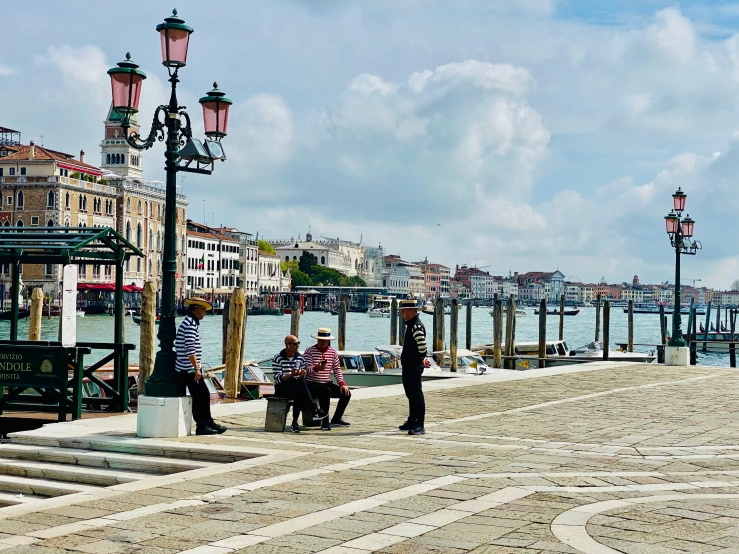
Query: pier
549	460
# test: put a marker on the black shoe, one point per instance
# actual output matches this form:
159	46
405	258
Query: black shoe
295	428
205	430
325	425
417	430
340	423
218	428
319	414
407	426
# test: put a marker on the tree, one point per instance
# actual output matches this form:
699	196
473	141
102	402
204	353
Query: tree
264	246
354	282
735	285
300	279
326	276
292	265
307	262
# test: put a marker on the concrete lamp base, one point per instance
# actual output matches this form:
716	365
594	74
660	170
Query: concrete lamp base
164	417
677	355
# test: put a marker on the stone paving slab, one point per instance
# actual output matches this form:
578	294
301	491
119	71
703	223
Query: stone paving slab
611	458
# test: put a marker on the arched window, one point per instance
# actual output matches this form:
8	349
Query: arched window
295	258
7	223
123	158
20	202
138	235
287	258
50	223
107	159
84	203
139	207
50	199
66	200
151	239
19	223
128	205
159	211
128	231
159	240
323	260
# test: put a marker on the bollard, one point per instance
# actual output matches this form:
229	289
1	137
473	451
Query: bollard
37	306
606	329
468	324
562	317
224	330
237	307
543	332
453	335
693	353
342	325
662	324
597	318
732	354
394	321
497	332
295	319
147	333
630	345
661	354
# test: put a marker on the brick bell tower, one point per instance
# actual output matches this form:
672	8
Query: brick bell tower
117	156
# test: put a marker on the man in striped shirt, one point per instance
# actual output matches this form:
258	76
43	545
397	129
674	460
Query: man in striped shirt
321	361
189	354
288	372
413	360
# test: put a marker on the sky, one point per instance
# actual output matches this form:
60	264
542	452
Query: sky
512	135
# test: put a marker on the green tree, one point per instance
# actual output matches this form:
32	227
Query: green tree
300	279
264	246
326	276
354	282
292	265
307	263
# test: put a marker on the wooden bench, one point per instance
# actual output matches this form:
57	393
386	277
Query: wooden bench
276	415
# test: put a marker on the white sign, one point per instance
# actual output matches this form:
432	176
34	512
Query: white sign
69	306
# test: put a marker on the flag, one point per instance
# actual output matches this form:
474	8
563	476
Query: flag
201	263
523	364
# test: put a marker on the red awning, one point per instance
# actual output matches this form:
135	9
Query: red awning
132	288
87	170
96	286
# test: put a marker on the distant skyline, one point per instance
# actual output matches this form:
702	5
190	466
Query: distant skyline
540	134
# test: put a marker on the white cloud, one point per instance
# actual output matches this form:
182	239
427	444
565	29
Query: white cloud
7	71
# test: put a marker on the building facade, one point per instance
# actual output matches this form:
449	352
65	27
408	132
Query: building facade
271	278
248	261
213	261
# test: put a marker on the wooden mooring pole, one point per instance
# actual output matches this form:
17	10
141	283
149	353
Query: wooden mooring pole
468	327
543	332
562	317
732	344
497	332
295	319
394	321
147	333
342	325
232	374
708	325
691	317
509	326
606	329
630	339
401	327
224	330
453	335
37	306
597	318
439	325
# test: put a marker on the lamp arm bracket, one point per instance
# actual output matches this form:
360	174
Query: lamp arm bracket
186	129
156	133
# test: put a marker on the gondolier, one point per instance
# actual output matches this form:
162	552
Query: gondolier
188	366
413	360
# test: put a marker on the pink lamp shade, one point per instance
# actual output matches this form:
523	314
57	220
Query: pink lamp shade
216	107
679	200
688	225
671	223
175	36
126	82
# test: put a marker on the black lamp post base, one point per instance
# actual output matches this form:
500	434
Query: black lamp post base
163	381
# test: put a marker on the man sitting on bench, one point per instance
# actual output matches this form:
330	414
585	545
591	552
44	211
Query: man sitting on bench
288	372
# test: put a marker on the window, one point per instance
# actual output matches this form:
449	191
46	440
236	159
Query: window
23	170
11	171
128	205
159	240
50	199
107	159
81	271
66	200
139	207
10	200
138	264
96	271
50	223
21	199
34	220
7	223
47	270
138	235
128	231
108	271
1	171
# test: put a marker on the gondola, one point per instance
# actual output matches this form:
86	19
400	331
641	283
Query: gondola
556	312
7	316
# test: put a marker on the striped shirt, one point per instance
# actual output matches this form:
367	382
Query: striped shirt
313	358
187	343
414	345
281	364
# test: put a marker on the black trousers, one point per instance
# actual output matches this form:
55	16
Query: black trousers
200	397
414	393
325	392
296	389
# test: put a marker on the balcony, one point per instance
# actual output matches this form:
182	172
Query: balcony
55	180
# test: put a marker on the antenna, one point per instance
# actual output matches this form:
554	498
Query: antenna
42	140
205	221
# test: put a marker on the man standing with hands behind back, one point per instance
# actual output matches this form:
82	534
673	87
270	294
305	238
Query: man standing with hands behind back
414	361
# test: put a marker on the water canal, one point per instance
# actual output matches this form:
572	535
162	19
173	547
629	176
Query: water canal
265	334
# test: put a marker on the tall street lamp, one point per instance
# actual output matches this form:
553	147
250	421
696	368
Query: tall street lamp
680	231
181	151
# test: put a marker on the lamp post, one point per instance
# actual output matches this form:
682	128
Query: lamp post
181	151
680	231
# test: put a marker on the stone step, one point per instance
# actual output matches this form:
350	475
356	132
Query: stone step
68	473
100	459
7	499
40	487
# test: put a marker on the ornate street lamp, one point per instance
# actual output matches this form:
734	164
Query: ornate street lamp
680	231
126	83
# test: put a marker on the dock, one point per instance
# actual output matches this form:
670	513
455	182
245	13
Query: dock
603	457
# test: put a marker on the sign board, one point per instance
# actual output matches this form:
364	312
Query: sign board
38	366
69	306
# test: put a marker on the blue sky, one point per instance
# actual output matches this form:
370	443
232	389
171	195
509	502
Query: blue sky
540	134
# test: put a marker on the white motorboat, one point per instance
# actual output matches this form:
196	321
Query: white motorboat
377	312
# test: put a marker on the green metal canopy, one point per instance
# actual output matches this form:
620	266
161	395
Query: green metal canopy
63	245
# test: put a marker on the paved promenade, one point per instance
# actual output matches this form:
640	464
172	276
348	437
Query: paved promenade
600	459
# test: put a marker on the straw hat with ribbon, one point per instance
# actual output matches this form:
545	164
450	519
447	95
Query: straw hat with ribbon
324	333
409	304
196	301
